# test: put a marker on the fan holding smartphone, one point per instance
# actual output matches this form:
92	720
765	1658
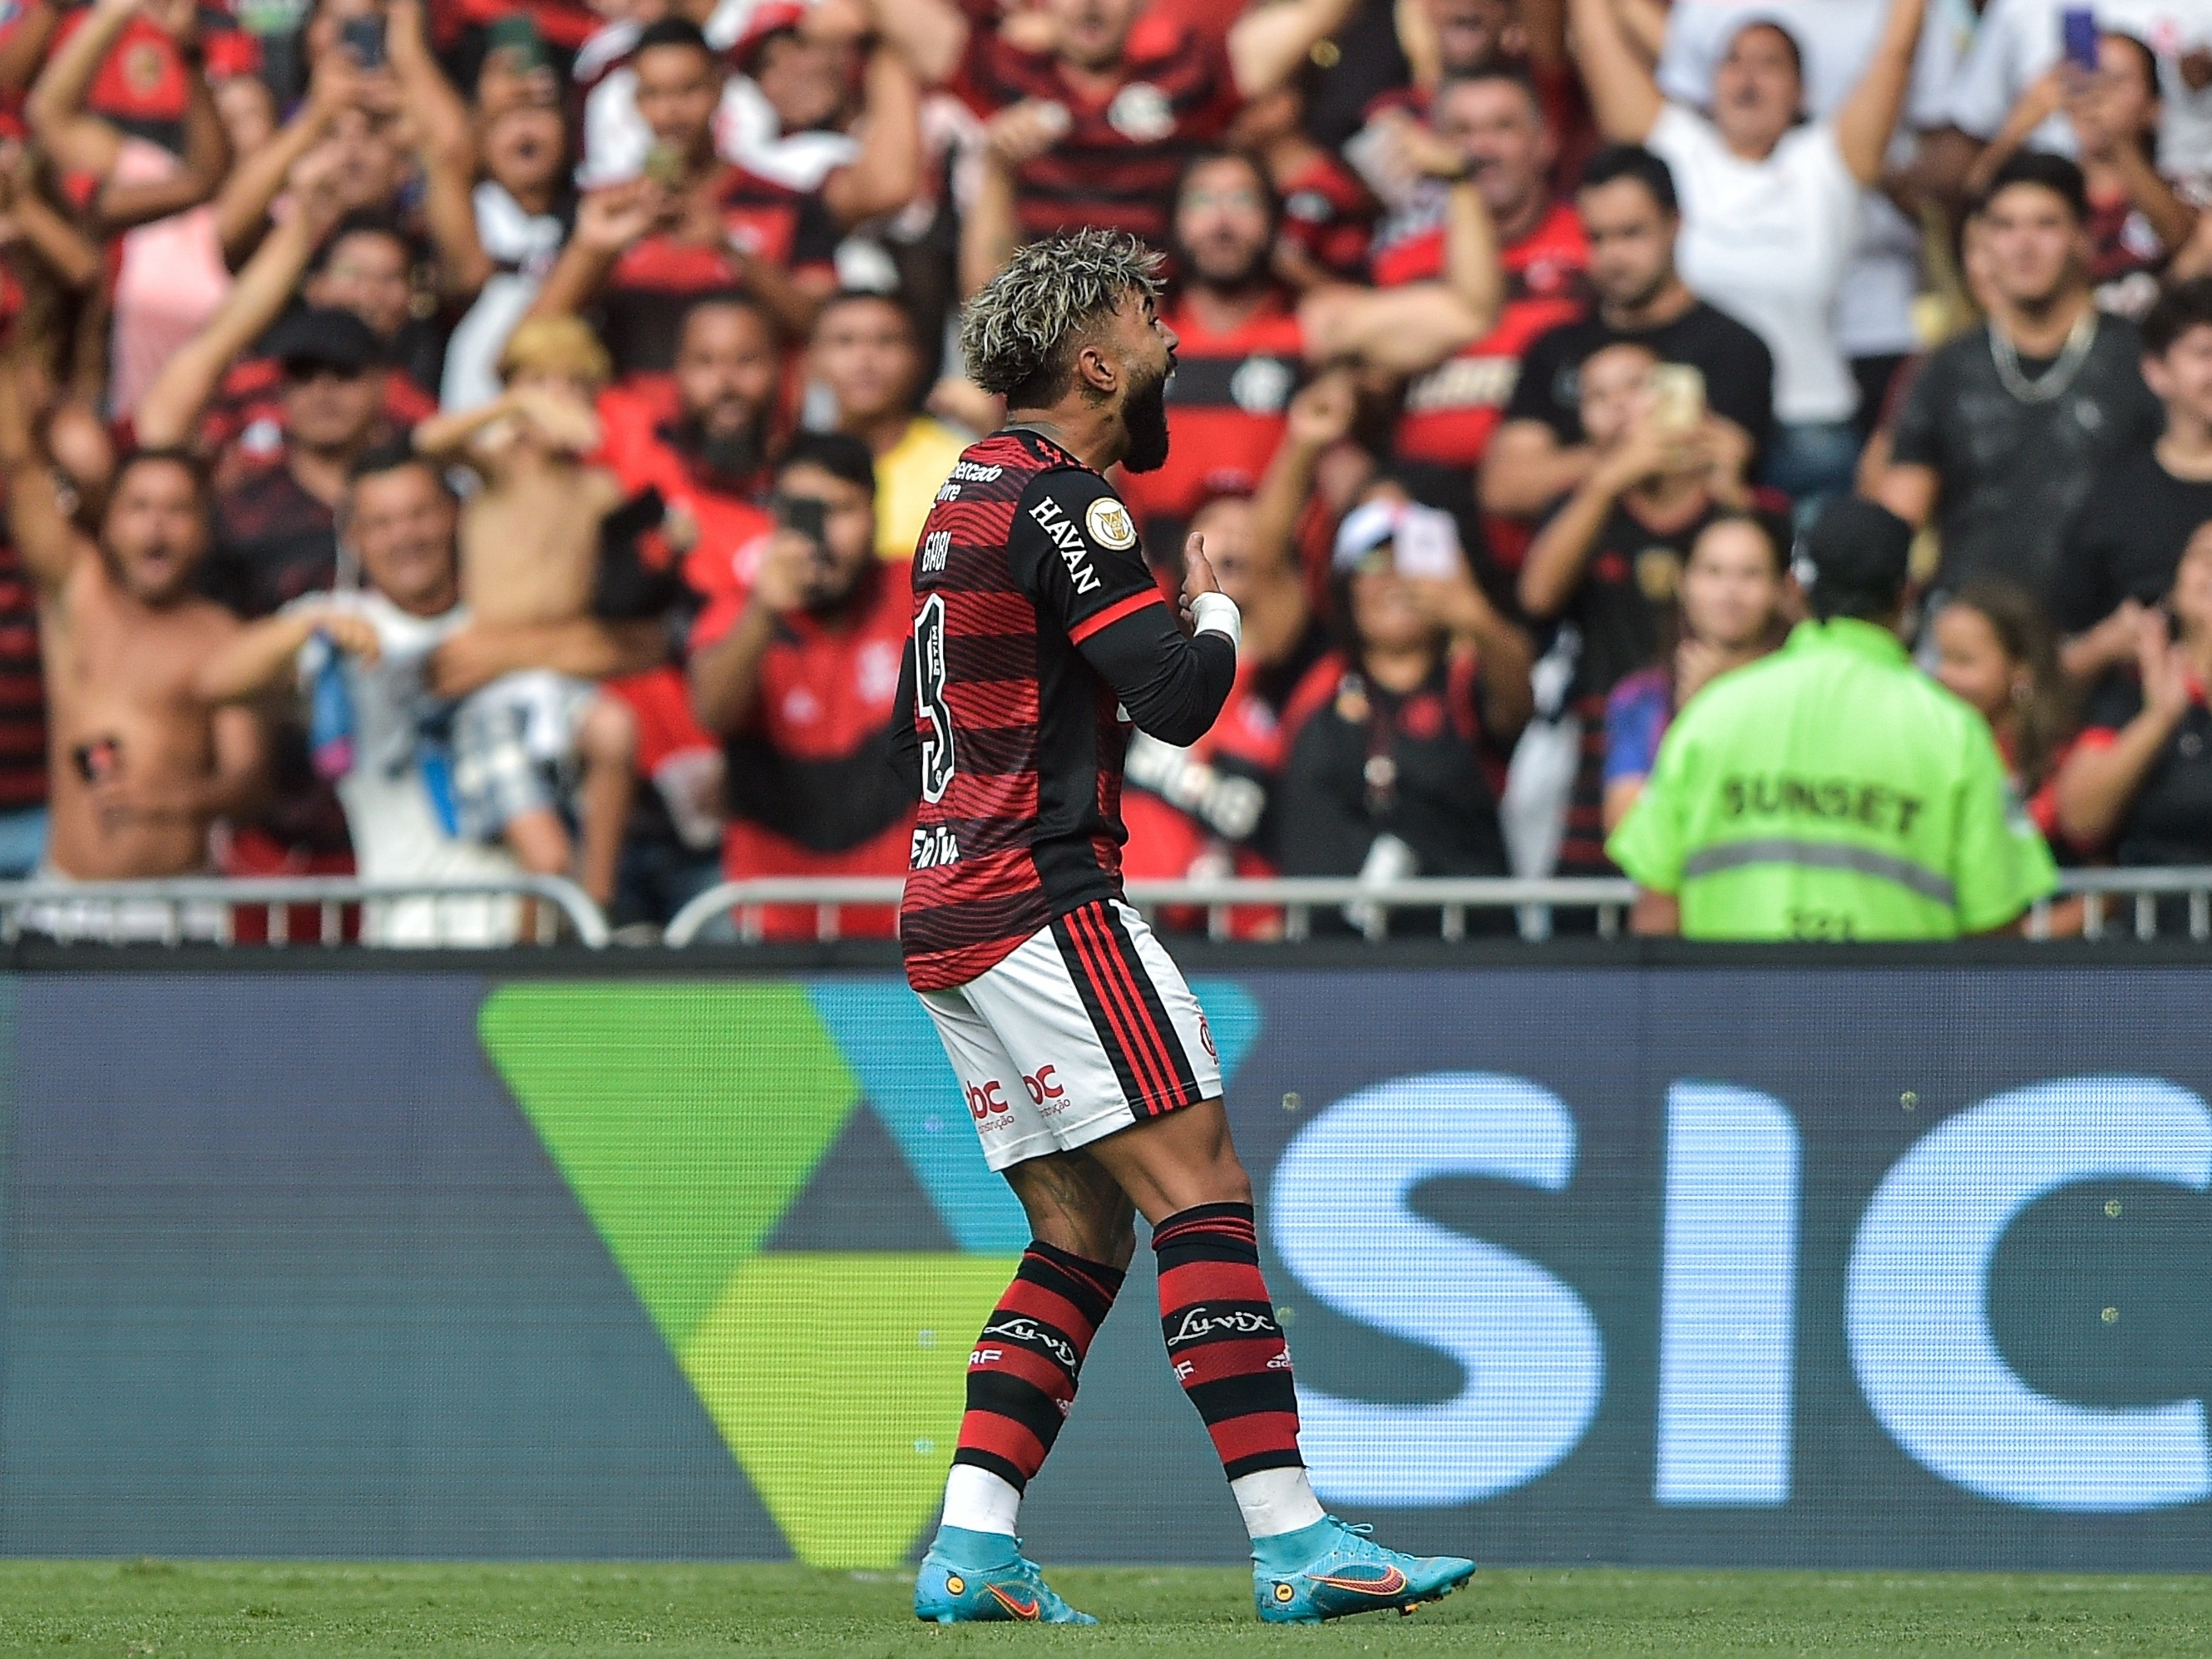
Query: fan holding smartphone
2102	100
2108	85
363	38
1609	560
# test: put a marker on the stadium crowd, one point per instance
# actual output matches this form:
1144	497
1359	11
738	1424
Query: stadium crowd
444	437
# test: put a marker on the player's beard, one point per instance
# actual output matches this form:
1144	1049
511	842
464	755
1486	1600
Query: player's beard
1146	417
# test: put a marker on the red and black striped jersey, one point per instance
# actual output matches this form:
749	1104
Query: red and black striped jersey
1039	638
1329	215
1226	407
1117	165
22	687
1451	411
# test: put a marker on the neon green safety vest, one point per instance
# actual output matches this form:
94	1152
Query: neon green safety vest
1833	791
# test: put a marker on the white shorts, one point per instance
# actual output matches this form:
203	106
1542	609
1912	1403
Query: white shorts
1086	1029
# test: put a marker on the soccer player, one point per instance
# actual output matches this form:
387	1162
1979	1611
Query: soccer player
1039	639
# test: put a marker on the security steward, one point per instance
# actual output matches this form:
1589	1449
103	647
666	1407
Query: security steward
1832	791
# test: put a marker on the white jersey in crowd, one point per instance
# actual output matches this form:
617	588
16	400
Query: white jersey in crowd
523	246
1874	307
396	830
1768	242
2019	39
747	129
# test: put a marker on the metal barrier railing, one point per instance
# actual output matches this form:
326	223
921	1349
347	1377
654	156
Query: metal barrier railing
1297	897
2142	889
209	908
1453	899
2096	903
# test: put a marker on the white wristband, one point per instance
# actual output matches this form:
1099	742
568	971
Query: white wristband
1217	613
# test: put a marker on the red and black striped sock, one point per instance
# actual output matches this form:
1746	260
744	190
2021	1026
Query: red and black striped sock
1021	1375
1222	1340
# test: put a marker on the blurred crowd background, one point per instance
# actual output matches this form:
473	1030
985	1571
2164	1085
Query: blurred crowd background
450	438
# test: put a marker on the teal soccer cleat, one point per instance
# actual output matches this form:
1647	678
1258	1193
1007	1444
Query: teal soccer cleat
983	1577
1331	1571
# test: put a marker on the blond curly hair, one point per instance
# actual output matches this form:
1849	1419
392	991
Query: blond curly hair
555	346
1017	330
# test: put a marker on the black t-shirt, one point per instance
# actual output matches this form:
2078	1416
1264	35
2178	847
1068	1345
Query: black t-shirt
2125	540
1739	369
2011	475
2169	822
273	542
1438	799
1337	98
1627	587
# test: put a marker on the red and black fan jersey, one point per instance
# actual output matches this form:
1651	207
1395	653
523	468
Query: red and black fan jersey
566	24
643	309
1117	164
812	791
273	542
1039	637
1451	411
1445	774
1225	411
1329	215
641	443
22	687
813	765
143	85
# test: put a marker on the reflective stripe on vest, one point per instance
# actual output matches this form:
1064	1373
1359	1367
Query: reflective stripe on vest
1823	855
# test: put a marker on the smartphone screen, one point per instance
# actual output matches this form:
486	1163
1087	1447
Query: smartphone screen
664	165
2079	27
1679	392
1427	544
807	514
363	37
98	760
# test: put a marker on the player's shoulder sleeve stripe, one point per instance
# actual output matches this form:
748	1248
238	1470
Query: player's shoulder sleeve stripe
1113	613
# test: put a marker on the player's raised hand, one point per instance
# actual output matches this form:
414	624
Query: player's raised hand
1197	575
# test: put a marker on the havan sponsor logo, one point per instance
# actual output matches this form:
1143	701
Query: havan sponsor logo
1074	551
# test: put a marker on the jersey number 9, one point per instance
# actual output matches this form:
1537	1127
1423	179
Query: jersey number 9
929	674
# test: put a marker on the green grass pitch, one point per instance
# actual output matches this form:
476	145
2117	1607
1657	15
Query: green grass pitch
173	1611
